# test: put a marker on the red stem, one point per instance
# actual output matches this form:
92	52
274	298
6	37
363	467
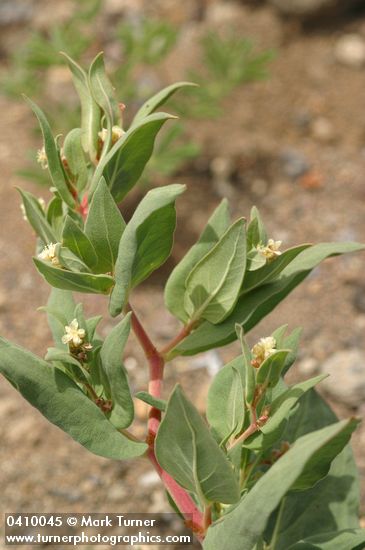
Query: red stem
185	331
194	519
193	516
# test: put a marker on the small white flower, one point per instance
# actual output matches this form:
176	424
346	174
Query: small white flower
73	334
48	254
42	158
117	133
262	350
271	250
42	203
22	208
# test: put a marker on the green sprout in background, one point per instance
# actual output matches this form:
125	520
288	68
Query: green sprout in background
228	62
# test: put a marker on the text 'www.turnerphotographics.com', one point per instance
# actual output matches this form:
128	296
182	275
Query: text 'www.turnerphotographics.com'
80	529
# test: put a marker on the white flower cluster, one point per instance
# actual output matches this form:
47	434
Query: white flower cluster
48	254
263	349
271	250
73	334
117	133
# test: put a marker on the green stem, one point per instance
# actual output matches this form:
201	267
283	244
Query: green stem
248	472
279	517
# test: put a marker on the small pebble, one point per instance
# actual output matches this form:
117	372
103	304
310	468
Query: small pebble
350	51
359	300
312	180
308	366
346	382
149	479
323	130
294	163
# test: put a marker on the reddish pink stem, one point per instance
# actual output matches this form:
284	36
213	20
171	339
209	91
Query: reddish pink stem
193	516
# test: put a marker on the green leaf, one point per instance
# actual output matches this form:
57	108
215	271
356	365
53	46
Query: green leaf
90	112
54	217
267	493
146	242
250	371
158	99
255	260
255	305
61	401
111	357
226	403
280	410
69	260
271	270
256	232
125	162
291	342
91	325
337	493
351	539
187	451
53	158
217	224
37	218
146	397
60	309
319	464
271	369
104	227
79	374
56	354
77	241
75	156
70	280
213	286
103	91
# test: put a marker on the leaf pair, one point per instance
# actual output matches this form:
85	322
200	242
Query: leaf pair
304	464
62	402
252	306
207	282
90	253
111	375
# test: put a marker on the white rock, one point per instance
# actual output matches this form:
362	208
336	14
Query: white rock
159	504
347	377
308	366
323	130
350	50
149	479
117	493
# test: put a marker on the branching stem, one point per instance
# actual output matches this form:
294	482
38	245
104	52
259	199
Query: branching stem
194	519
185	331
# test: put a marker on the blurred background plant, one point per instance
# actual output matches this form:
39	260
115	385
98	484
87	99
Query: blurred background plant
228	61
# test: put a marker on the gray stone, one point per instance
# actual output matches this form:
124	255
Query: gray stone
15	11
346	382
294	163
359	298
